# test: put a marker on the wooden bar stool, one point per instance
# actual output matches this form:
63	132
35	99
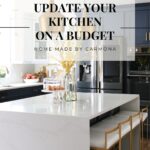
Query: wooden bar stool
97	133
104	140
127	121
135	121
144	117
124	129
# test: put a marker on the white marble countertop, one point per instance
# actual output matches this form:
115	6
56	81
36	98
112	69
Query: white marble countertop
88	105
38	123
18	85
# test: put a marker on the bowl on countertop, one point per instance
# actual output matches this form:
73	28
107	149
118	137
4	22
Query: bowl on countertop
31	80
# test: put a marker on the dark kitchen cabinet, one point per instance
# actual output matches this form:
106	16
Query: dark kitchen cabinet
139	87
14	94
142	24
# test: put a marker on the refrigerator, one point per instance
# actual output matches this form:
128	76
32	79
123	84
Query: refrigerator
100	76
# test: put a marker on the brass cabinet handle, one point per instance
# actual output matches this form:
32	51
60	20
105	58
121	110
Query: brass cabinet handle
146	36
149	36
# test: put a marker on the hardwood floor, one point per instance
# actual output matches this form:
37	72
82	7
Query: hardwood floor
146	147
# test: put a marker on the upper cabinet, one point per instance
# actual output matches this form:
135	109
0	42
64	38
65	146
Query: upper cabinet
142	21
23	41
5	11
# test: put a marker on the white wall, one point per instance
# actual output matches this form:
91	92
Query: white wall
16	73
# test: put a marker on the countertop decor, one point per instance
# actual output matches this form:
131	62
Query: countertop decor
69	81
3	71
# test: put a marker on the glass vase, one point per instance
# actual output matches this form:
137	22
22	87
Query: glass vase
70	87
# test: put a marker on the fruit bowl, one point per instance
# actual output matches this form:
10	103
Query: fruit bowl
31	80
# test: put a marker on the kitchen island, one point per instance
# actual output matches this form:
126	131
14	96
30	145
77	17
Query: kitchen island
39	123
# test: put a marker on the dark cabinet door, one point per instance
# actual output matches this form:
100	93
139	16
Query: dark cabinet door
35	91
139	87
15	94
142	26
18	93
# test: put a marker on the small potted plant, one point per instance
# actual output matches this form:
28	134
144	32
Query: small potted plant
3	71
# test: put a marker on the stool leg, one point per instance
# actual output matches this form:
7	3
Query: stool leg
131	136
147	124
130	140
120	139
142	136
120	144
140	144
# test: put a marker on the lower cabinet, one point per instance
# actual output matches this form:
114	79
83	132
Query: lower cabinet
139	87
14	94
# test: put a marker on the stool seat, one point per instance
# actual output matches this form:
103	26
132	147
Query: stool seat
97	139
104	124
129	113
125	114
143	115
110	123
126	121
